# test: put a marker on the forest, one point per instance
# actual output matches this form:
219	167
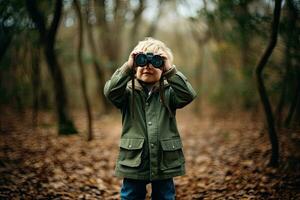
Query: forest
59	134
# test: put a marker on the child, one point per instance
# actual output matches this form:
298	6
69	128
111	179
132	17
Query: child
150	145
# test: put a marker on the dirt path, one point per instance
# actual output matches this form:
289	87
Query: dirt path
225	159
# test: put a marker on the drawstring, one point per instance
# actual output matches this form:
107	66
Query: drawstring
132	96
162	97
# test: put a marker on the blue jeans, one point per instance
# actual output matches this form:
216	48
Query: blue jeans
136	189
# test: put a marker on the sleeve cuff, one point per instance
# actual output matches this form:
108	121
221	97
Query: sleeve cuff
125	69
168	74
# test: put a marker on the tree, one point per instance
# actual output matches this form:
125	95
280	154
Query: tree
82	70
110	31
290	83
134	32
98	64
201	40
290	35
47	38
261	87
230	25
36	82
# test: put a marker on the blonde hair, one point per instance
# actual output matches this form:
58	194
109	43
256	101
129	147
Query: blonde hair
152	45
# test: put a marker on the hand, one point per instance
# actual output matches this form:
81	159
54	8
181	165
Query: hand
130	61
167	62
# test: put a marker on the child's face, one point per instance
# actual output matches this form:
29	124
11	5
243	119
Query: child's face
148	74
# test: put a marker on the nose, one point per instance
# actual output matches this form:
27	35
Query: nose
148	66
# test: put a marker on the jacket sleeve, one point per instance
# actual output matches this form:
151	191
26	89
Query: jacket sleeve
182	93
115	88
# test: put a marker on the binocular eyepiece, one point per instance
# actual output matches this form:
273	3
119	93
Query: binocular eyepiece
142	60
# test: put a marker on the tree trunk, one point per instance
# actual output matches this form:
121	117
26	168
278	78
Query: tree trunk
292	49
36	83
110	32
294	17
5	39
201	43
281	103
65	124
134	34
100	73
295	99
198	77
289	37
103	25
296	118
153	25
15	83
117	30
82	71
261	87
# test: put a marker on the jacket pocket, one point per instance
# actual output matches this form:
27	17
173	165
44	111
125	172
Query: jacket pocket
131	152
172	154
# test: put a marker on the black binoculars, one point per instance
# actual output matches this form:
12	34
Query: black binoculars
142	60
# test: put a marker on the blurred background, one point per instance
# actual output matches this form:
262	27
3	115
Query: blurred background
57	55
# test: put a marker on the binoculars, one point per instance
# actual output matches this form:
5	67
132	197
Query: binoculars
142	60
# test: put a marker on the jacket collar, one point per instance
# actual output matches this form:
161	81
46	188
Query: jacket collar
138	86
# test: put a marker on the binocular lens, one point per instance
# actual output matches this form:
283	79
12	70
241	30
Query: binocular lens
157	61
143	59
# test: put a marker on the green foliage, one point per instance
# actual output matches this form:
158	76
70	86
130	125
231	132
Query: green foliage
15	71
13	17
241	29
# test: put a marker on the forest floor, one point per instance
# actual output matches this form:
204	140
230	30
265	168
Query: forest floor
226	158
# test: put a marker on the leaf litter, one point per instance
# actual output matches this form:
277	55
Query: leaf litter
226	158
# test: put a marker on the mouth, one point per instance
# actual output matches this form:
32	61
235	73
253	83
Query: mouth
147	73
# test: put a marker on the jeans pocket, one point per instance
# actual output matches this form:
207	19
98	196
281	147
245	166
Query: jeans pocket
172	154
131	151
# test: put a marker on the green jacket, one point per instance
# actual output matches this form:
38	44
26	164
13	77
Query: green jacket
150	145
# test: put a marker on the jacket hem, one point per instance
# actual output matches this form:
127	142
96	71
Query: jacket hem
147	177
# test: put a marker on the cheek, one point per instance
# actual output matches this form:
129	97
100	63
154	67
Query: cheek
138	72
158	72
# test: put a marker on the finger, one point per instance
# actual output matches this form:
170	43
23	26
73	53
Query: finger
136	52
164	56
